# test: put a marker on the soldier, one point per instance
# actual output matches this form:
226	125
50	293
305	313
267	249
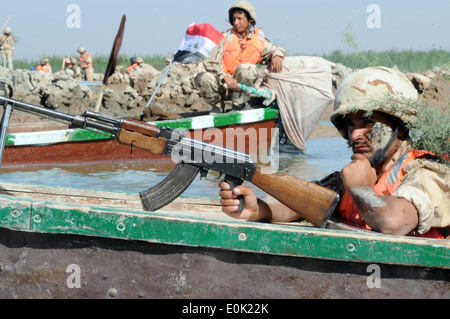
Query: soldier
71	67
86	64
389	186
44	66
7	47
142	66
140	61
236	58
133	64
66	64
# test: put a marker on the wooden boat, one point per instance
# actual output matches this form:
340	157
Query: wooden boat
248	131
73	243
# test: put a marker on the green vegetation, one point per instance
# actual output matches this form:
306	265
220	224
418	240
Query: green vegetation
100	62
430	130
428	125
406	61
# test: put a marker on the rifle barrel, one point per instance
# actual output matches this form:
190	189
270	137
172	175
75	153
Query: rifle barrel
91	121
37	110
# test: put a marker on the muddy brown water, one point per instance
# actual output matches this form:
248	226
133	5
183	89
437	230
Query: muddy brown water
322	157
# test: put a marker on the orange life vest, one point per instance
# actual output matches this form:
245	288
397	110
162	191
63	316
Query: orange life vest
131	67
386	185
233	54
45	68
83	58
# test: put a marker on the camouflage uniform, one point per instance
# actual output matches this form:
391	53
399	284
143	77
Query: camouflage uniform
427	182
211	84
72	68
7	47
86	64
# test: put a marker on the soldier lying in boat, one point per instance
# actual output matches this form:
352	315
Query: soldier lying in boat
389	186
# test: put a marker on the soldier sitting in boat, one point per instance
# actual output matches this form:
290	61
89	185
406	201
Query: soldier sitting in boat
235	60
389	186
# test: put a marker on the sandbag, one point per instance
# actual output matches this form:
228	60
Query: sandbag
304	91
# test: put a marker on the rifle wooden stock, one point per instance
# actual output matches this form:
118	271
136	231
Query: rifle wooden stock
310	201
141	135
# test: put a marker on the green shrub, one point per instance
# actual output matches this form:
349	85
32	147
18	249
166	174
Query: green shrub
100	62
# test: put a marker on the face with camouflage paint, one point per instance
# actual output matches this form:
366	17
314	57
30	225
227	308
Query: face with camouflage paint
368	134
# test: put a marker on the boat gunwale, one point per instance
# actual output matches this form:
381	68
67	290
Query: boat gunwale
55	136
173	227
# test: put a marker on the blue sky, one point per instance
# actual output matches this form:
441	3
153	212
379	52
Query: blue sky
157	26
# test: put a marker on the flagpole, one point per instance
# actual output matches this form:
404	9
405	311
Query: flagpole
187	47
6	23
159	84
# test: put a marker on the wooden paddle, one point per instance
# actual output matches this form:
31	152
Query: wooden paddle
112	62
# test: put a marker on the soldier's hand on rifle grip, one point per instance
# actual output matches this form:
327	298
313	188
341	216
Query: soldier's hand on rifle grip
233	182
230	202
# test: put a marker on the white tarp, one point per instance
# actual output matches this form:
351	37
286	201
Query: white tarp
304	91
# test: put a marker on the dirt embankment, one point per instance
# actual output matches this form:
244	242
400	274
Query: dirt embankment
127	95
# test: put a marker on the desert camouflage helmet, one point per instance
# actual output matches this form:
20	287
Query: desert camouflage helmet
8	30
361	89
245	6
81	50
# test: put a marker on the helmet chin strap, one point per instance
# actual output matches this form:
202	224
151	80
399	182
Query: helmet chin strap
381	155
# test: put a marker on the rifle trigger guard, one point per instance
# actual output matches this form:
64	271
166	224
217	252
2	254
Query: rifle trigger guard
204	174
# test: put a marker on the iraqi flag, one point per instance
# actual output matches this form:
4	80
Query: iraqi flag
199	41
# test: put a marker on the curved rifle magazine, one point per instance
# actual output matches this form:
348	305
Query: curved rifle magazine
170	188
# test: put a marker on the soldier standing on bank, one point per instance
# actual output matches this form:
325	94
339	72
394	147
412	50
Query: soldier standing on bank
7	48
86	64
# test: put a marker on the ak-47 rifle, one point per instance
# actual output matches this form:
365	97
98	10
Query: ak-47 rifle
310	201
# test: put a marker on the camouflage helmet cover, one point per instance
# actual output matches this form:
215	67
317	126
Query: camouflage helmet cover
360	89
245	6
8	30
